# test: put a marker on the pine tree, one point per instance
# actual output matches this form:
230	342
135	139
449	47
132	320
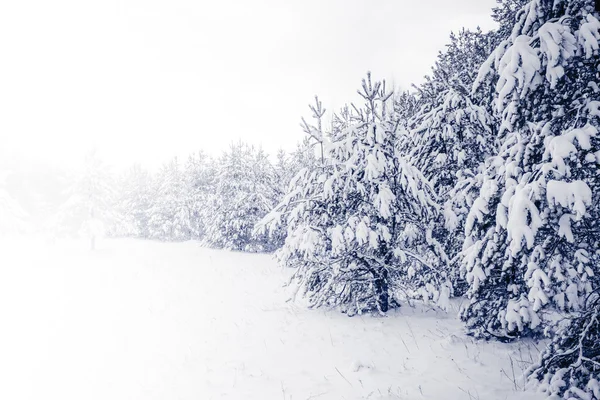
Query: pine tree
244	193
449	138
133	203
200	180
287	167
405	104
531	235
353	225
89	208
169	214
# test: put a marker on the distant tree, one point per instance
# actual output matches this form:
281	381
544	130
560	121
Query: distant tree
244	192
169	212
13	218
133	203
200	176
89	208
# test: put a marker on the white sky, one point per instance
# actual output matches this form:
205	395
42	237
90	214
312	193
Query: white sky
143	80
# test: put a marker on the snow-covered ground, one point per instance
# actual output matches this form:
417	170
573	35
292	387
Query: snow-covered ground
146	320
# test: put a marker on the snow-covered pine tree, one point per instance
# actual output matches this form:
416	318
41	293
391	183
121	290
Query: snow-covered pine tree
302	186
286	168
450	137
89	208
244	193
281	170
265	194
406	104
169	213
133	204
199	177
354	224
304	156
287	165
532	233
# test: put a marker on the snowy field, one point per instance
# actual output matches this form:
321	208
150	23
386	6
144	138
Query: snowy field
146	320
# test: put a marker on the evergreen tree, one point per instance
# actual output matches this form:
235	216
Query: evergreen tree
405	104
450	137
89	208
244	193
531	235
451	142
354	224
286	168
169	214
200	180
133	203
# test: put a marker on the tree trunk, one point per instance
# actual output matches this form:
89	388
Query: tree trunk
381	290
93	243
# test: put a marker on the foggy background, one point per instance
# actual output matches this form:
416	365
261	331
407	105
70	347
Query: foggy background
142	81
139	82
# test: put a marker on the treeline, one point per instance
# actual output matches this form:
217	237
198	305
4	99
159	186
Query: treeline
215	200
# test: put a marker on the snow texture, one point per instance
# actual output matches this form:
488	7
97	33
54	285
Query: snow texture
149	320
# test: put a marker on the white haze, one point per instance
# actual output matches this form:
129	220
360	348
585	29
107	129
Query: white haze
143	80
